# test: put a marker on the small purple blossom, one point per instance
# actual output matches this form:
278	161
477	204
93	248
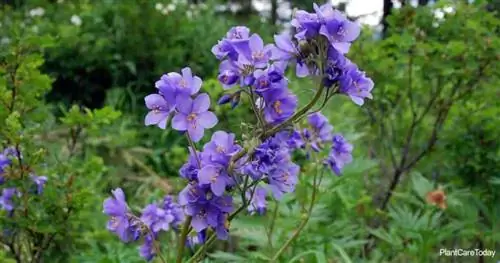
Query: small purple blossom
280	105
190	169
196	238
286	51
160	110
283	179
147	250
216	177
269	79
252	52
356	85
6	201
120	223
193	116
339	30
221	147
179	84
340	154
336	66
258	202
306	25
321	130
229	74
224	48
39	182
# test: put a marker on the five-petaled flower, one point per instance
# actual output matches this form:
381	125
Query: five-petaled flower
193	116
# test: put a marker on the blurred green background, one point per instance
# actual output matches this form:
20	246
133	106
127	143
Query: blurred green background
433	124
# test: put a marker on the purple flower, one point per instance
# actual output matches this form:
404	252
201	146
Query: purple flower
321	130
4	163
160	110
224	48
339	30
120	222
280	105
292	139
252	52
6	198
208	212
221	147
336	65
306	25
39	182
238	32
258	202
147	250
185	84
283	179
228	74
196	238
340	154
285	50
269	79
216	177
190	169
356	85
156	218
193	116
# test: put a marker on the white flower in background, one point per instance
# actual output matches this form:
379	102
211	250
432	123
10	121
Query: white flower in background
76	20
34	29
159	6
171	7
203	6
60	1
37	12
5	40
189	14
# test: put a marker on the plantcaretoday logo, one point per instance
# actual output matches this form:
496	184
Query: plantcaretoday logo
460	252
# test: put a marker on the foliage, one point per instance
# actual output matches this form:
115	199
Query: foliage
105	55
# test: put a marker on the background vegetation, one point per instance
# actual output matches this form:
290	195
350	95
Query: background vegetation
82	68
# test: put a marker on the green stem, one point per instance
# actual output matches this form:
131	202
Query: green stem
193	147
257	113
302	224
271	226
201	251
182	239
186	227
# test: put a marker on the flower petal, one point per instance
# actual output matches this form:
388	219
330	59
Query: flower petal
179	122
201	103
207	119
155	101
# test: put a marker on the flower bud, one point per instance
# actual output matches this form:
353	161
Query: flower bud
226	98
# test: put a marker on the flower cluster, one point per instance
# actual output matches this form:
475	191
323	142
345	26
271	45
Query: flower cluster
205	198
8	193
265	166
177	95
247	62
154	219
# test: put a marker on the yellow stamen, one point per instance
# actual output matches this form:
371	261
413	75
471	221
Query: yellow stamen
277	107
